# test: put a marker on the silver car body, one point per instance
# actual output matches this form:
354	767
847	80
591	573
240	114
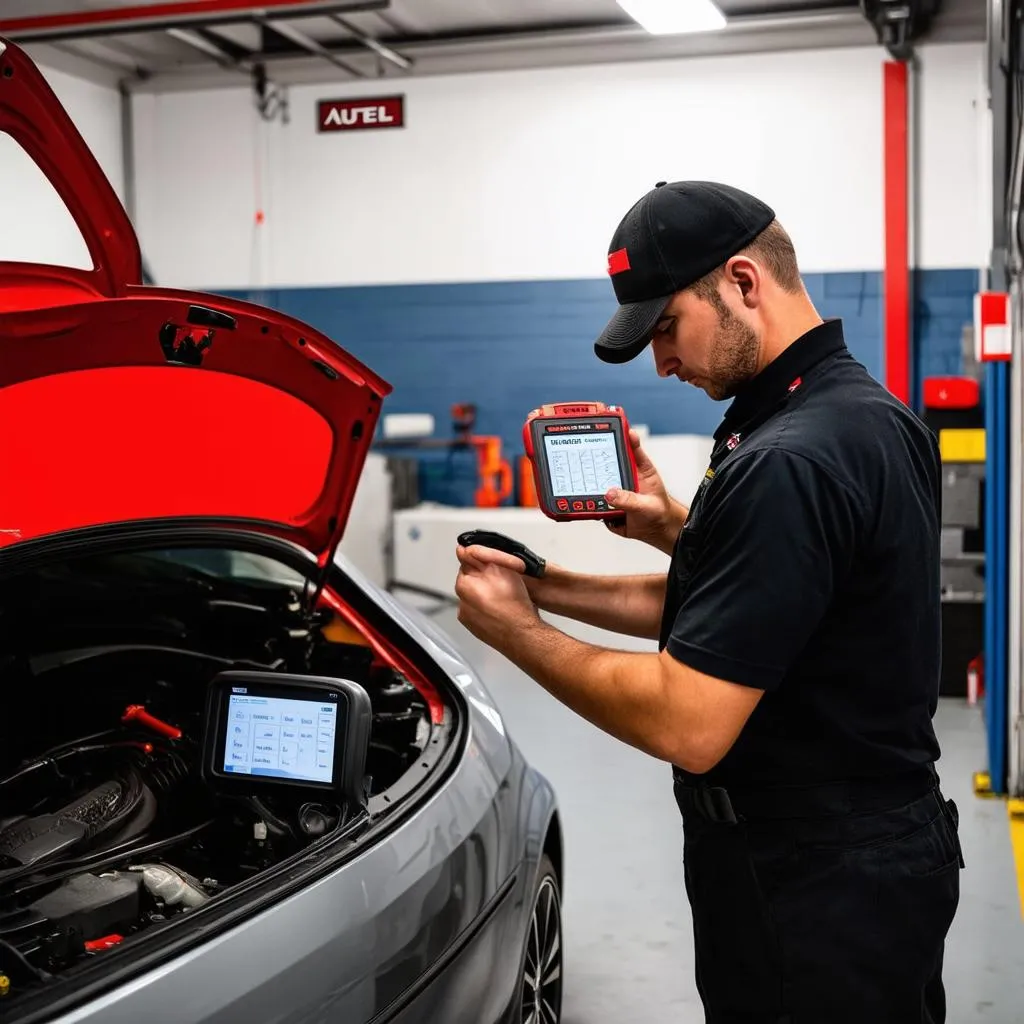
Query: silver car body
427	924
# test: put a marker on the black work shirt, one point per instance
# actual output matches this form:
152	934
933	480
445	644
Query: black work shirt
809	568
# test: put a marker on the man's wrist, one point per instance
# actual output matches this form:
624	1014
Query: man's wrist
554	579
677	520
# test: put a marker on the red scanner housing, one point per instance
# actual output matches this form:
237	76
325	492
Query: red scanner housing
578	451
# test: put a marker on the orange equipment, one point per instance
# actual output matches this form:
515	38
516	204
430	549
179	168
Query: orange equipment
494	471
527	484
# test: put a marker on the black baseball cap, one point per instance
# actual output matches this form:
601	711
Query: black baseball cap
670	239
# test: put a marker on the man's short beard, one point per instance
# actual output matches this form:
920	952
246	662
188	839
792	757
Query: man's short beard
734	354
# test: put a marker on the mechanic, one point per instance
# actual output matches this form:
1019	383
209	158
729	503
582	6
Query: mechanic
797	625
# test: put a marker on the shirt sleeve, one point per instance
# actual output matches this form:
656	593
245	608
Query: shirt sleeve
773	540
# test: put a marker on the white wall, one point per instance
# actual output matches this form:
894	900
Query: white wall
34	223
524	175
955	158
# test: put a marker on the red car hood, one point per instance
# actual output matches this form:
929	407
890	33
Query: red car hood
121	402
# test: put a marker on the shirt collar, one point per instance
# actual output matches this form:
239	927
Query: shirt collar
777	379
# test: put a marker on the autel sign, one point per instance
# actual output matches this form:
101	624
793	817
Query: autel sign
361	114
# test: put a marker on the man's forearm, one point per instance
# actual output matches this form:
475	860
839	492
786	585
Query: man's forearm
620	692
651	701
623	604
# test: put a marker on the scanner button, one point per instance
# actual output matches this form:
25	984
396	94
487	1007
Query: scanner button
577	506
591	506
563	505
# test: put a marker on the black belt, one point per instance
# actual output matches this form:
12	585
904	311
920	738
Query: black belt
740	803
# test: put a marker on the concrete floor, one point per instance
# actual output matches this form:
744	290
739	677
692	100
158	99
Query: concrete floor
629	946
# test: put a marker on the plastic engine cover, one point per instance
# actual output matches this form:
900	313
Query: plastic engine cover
91	906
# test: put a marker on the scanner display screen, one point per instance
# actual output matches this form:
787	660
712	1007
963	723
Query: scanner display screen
582	463
280	737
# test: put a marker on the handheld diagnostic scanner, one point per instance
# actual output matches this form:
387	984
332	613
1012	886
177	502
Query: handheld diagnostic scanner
579	450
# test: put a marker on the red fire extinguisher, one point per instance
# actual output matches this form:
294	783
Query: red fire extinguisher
975	679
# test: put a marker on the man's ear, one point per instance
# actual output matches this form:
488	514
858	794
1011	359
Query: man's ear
744	273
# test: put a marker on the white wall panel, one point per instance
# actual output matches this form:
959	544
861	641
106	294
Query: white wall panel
36	226
955	158
524	175
96	112
195	186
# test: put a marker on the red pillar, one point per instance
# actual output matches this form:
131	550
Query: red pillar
896	287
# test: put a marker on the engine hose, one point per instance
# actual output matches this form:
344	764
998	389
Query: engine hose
59	870
170	885
126	805
26	770
165	771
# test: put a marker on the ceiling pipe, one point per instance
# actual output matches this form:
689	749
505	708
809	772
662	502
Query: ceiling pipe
615	34
568	47
382	51
621	31
206	46
310	45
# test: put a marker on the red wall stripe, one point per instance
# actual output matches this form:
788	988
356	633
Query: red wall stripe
897	260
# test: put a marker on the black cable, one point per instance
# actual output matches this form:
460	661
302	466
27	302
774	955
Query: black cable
102	811
59	870
274	824
23	962
75	748
1015	77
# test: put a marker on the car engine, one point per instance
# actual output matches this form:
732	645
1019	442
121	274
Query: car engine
106	826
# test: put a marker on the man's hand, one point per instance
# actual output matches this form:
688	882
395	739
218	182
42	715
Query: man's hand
622	604
494	603
651	515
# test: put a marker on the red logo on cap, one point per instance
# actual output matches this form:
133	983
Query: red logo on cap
618	261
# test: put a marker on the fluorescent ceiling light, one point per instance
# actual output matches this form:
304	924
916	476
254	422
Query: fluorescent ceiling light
665	17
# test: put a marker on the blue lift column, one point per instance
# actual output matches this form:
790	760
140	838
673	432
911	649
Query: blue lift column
992	322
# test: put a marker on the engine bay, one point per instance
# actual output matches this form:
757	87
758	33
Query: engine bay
108	825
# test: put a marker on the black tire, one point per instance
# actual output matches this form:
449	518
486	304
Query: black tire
540	997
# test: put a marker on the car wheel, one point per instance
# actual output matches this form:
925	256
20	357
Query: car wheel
541	1001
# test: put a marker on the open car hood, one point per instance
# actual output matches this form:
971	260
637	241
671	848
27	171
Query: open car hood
121	402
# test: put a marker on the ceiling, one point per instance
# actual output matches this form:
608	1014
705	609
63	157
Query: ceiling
156	45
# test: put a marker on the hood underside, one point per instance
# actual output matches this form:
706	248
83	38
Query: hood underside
127	409
121	402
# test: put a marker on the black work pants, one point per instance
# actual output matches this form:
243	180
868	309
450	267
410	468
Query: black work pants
828	919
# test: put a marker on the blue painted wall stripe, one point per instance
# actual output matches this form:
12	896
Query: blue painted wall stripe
943	306
508	346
